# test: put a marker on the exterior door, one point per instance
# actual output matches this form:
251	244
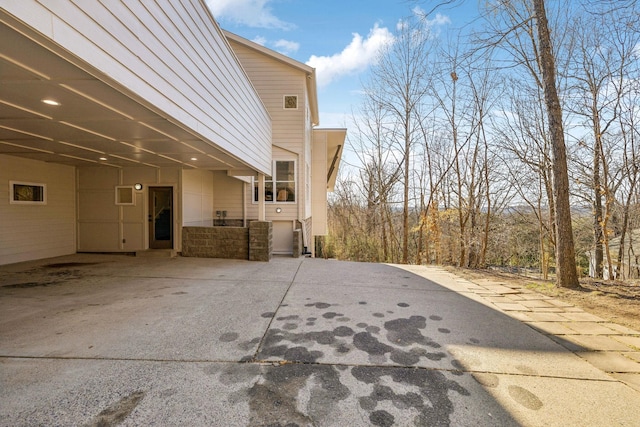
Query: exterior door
282	237
160	217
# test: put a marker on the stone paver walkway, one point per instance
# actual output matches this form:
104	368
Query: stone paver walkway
612	348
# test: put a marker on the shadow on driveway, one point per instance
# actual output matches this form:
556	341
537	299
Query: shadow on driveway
101	340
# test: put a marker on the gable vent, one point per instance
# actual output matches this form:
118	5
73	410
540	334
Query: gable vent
290	102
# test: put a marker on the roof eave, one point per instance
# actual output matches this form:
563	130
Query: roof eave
309	71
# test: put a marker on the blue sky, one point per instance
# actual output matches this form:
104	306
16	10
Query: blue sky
339	38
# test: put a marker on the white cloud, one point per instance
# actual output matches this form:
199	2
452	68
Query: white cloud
286	46
429	28
253	13
260	40
356	57
438	20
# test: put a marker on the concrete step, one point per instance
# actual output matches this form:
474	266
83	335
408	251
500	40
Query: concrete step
157	253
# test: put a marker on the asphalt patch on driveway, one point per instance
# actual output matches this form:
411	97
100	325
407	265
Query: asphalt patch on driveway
402	341
49	275
298	387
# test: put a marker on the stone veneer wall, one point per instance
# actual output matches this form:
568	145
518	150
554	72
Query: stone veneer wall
298	245
260	241
215	242
254	243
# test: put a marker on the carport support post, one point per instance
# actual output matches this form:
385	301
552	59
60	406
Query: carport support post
261	207
260	241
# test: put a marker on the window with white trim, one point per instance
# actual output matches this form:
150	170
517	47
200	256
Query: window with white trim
281	186
27	193
124	195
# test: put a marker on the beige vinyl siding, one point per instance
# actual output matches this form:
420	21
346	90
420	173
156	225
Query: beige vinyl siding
197	201
134	218
104	226
319	184
98	215
170	56
29	232
308	170
291	128
228	195
273	80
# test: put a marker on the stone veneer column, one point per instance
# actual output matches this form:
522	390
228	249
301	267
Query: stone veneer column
260	241
297	243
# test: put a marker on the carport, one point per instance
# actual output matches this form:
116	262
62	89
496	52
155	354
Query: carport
100	104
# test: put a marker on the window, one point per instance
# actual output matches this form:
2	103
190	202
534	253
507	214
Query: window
268	189
124	196
282	188
285	182
27	193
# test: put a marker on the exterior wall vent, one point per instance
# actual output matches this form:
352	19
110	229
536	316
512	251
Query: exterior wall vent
290	102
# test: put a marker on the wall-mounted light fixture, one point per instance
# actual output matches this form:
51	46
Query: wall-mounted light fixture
278	210
137	186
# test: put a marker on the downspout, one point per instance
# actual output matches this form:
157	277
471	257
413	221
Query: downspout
261	204
244	205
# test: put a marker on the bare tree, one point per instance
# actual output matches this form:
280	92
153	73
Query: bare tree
445	177
402	73
604	54
524	34
523	141
380	167
566	274
630	134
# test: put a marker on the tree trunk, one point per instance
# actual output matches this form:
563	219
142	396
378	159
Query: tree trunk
620	272
405	210
566	273
487	221
597	199
608	202
421	222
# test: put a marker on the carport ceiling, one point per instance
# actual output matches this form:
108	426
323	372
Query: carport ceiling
94	123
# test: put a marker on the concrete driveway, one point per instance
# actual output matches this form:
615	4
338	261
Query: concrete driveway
102	340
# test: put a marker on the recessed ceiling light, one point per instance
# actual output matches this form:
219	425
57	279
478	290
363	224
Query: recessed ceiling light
51	102
102	158
194	158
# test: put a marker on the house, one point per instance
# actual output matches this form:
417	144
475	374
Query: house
138	126
296	189
630	263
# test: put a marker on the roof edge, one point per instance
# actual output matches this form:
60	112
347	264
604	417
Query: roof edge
276	55
310	71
